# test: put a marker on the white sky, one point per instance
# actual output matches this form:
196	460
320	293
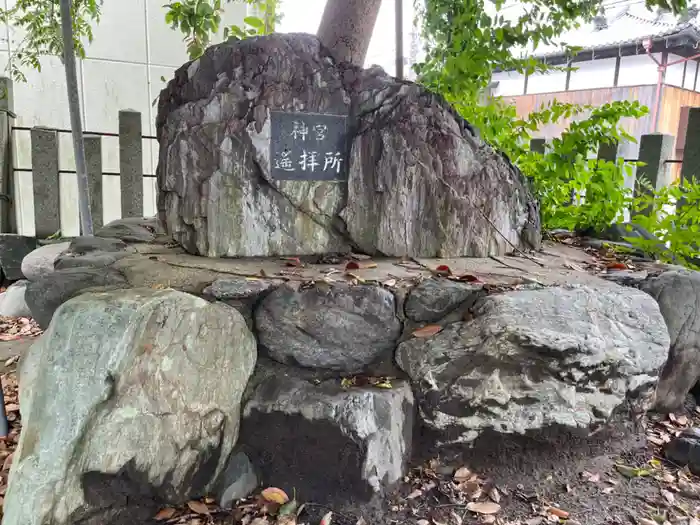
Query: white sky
304	16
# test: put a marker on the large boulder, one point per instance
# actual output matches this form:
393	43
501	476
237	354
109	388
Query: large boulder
554	357
326	443
678	295
342	328
420	182
129	401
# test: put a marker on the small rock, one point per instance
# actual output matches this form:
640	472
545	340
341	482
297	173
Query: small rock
85	245
47	293
342	328
433	299
90	260
134	229
684	450
12	301
360	437
13	249
40	262
239	288
238	480
241	293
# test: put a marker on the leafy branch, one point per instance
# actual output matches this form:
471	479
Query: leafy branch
40	20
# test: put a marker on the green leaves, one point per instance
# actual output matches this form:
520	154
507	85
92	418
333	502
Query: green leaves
199	21
40	20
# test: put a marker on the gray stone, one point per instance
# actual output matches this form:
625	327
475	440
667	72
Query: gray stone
528	360
90	260
129	401
342	328
12	301
684	449
46	294
40	262
134	229
419	179
678	295
131	163
239	288
329	444
241	293
13	249
85	245
92	252
433	299
238	480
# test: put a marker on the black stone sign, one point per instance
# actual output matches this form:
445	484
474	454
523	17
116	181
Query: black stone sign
308	146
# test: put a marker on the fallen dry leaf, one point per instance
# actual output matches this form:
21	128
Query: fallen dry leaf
292	261
462	474
668	496
8	462
326	520
12	407
427	331
616	266
198	507
361	521
559	513
443	270
495	495
422	522
352	265
415	494
590	476
483	507
275	495
165	514
646	521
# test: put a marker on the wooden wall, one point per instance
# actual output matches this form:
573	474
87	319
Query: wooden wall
672	116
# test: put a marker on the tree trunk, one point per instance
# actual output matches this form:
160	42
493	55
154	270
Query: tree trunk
75	120
346	28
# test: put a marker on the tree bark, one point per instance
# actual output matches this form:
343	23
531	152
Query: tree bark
346	28
75	120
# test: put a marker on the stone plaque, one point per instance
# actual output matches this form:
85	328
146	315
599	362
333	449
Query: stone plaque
308	146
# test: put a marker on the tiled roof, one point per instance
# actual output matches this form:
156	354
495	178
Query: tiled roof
628	22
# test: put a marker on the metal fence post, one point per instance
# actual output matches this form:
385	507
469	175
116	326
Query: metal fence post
45	179
131	163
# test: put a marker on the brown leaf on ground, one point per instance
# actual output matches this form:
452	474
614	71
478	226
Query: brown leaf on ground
165	514
483	507
292	261
462	474
559	513
8	462
12	328
427	331
327	518
198	507
443	270
275	495
495	495
352	265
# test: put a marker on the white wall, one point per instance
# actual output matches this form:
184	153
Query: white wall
674	73
132	49
690	72
546	82
510	83
639	70
592	75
